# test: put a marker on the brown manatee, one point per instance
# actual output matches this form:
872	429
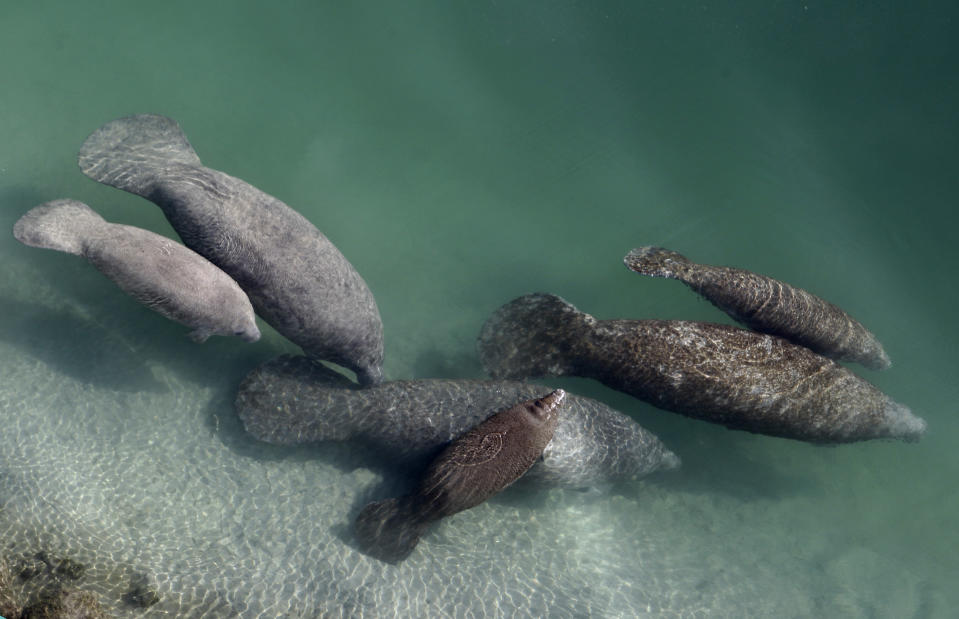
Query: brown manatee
473	468
298	281
720	373
768	305
293	399
156	271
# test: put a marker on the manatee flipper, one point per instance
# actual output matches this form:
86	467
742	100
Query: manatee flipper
532	336
126	153
62	225
200	335
768	305
389	529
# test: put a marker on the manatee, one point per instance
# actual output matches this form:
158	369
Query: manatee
768	305
470	470
720	373
156	271
292	399
298	281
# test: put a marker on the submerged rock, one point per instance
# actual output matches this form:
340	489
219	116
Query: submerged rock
61	603
9	605
142	592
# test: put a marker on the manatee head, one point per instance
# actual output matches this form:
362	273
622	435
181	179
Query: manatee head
247	332
236	316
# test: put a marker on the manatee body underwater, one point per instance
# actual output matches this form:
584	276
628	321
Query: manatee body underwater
292	400
156	271
474	467
735	377
768	305
298	281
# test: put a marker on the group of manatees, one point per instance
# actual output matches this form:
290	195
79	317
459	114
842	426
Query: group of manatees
246	252
768	382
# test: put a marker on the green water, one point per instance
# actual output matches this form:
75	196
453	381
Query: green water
461	154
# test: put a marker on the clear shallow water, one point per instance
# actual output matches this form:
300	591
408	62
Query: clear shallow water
459	157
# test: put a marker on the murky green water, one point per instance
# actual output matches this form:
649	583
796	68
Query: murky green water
462	154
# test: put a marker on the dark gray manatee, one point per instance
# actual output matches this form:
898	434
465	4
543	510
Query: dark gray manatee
474	467
156	271
768	305
298	281
741	379
292	399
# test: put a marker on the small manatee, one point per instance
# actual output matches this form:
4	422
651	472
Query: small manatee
768	305
473	468
156	271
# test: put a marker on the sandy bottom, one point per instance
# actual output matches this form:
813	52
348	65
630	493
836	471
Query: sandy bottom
121	451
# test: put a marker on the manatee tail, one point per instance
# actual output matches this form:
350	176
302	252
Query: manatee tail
293	399
902	423
389	530
670	461
874	357
63	225
127	153
533	335
657	262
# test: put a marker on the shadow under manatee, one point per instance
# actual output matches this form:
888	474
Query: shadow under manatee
76	345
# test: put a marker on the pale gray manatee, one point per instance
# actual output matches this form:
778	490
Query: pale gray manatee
292	399
298	281
735	377
474	467
768	305
156	271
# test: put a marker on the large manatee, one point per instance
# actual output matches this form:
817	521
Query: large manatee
298	281
293	399
735	377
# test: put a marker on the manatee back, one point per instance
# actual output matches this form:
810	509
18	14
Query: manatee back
488	458
294	399
173	280
595	444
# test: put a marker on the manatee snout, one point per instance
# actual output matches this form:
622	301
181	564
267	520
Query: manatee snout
248	334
